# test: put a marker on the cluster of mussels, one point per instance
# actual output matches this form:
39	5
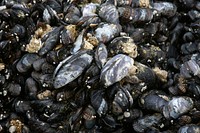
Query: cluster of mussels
99	66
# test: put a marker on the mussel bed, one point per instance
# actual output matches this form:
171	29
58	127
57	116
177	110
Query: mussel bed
96	66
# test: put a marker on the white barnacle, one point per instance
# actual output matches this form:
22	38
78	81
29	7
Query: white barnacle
144	88
12	129
149	60
60	99
162	125
88	86
5	93
46	115
127	114
120	95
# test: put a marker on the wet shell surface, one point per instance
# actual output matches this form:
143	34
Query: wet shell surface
99	66
70	68
115	69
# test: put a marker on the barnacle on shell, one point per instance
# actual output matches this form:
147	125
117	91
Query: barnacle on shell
35	43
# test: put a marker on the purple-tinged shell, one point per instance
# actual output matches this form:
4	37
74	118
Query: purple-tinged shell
106	32
165	8
101	55
71	68
190	68
109	13
146	122
189	129
99	102
26	62
116	69
177	107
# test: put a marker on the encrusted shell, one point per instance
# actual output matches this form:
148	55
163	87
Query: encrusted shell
35	43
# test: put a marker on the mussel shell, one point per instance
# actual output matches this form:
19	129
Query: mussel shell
37	65
73	14
194	89
64	95
112	30
121	102
47	68
50	15
134	3
99	102
71	68
123	45
101	55
189	129
18	30
146	122
184	119
109	13
197	5
110	121
51	40
21	106
31	88
154	100
41	126
131	115
189	68
55	5
178	106
25	63
115	69
52	57
188	48
135	15
188	37
165	8
89	116
188	3
14	89
146	74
